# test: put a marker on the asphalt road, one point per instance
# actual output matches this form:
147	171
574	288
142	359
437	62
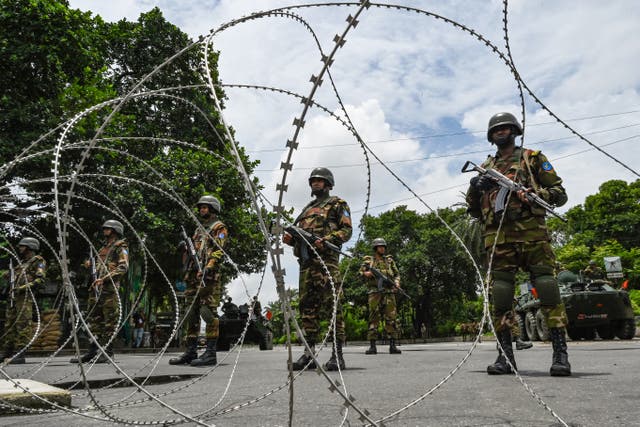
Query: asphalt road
604	389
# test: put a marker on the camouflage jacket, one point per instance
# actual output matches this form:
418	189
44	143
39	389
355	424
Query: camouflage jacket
522	222
113	261
209	244
593	273
30	274
385	264
329	218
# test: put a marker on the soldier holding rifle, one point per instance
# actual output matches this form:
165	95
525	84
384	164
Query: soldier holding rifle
324	223
511	195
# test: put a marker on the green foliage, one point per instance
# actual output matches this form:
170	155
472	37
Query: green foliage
634	296
355	323
434	270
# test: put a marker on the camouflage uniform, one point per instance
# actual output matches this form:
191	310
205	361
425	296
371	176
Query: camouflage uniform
210	254
385	298
593	272
111	265
18	327
329	218
523	241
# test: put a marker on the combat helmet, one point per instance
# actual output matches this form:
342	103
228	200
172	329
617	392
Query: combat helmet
115	225
501	119
378	242
210	201
30	242
323	173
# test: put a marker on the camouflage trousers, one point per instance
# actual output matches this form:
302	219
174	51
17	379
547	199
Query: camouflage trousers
385	301
18	323
316	299
205	305
103	317
536	258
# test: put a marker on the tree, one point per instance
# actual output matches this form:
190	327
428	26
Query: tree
435	271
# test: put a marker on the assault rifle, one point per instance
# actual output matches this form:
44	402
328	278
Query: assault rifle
383	281
12	283
193	260
303	238
507	186
93	272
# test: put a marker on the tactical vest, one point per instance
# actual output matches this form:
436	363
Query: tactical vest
522	222
110	258
26	272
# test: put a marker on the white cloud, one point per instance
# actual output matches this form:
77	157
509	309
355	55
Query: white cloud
405	75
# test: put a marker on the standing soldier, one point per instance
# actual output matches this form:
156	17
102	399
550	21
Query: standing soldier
110	266
593	272
523	240
28	275
382	296
203	279
328	218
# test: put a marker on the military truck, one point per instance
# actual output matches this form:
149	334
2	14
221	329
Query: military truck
232	323
593	307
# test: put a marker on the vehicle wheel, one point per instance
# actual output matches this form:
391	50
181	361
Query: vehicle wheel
574	334
530	326
266	342
541	326
222	344
521	323
605	332
588	334
626	329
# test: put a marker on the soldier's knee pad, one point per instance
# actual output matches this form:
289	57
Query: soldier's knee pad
501	296
548	291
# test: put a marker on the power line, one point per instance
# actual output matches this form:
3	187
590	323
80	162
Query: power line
442	135
442	190
465	153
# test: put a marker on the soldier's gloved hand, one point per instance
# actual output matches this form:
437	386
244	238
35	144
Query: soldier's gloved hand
482	183
287	239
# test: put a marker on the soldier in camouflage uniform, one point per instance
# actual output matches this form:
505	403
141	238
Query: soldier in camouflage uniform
523	241
111	264
205	286
593	272
381	299
28	275
329	218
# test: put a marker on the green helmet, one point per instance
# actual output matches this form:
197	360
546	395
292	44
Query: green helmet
210	201
30	242
501	119
592	262
323	173
378	242
115	225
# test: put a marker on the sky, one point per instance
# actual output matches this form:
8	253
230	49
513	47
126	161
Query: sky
420	93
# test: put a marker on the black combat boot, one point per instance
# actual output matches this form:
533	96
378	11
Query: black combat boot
109	350
90	354
190	353
208	358
522	345
500	366
392	347
302	361
336	359
372	348
560	366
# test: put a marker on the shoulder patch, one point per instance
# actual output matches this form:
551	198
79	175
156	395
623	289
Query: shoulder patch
535	153
547	166
221	235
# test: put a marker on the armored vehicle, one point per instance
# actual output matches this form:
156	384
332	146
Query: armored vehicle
592	307
232	323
